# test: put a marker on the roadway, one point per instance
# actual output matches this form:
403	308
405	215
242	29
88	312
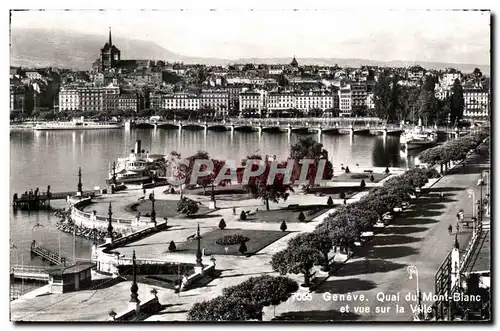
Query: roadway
418	237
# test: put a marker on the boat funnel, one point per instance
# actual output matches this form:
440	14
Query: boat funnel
137	146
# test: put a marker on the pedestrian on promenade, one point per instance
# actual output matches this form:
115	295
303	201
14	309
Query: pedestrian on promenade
458	227
234	210
144	191
450	229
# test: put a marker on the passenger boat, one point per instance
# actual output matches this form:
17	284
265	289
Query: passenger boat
418	137
139	167
77	124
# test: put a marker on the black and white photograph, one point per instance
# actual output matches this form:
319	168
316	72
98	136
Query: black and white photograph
245	165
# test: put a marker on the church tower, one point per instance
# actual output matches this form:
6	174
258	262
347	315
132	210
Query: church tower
110	55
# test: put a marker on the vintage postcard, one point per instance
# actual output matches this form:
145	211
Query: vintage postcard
250	165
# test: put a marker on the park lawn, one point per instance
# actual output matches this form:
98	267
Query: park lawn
258	240
358	177
163	208
289	215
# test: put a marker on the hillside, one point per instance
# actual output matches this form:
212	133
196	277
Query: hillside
42	48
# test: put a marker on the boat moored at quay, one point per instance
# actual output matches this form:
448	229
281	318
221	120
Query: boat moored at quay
418	137
139	167
77	124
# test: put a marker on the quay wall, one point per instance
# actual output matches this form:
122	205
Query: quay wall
108	261
90	220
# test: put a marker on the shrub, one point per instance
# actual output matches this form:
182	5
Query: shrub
222	224
387	171
330	201
243	248
363	184
243	215
347	170
302	217
283	226
372	179
231	239
342	195
172	246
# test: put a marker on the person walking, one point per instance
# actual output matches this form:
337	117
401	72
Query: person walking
450	229
234	210
458	227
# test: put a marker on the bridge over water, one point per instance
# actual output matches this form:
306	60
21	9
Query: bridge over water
319	126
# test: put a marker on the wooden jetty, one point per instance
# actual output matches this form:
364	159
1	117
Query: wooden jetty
47	255
34	200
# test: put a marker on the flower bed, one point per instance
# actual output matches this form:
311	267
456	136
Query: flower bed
232	239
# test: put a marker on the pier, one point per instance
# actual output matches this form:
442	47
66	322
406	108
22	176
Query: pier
47	254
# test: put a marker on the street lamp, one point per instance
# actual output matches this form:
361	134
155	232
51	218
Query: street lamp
412	270
472	195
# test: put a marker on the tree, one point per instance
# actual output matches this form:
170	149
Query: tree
243	215
243	248
342	195
372	179
262	291
456	102
343	230
224	309
319	240
283	226
362	184
347	170
187	206
296	259
330	201
222	224
382	94
308	148
259	187
301	217
172	246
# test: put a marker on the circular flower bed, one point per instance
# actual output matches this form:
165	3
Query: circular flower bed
232	239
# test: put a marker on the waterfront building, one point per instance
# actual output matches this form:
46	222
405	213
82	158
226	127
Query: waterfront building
252	100
476	103
276	101
89	98
69	99
128	102
345	99
358	95
185	101
215	99
316	100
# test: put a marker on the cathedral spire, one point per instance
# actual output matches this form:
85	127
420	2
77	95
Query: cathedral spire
110	43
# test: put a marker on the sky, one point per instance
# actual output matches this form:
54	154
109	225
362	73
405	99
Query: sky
418	35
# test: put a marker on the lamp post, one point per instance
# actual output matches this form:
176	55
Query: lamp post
153	212
472	195
412	270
